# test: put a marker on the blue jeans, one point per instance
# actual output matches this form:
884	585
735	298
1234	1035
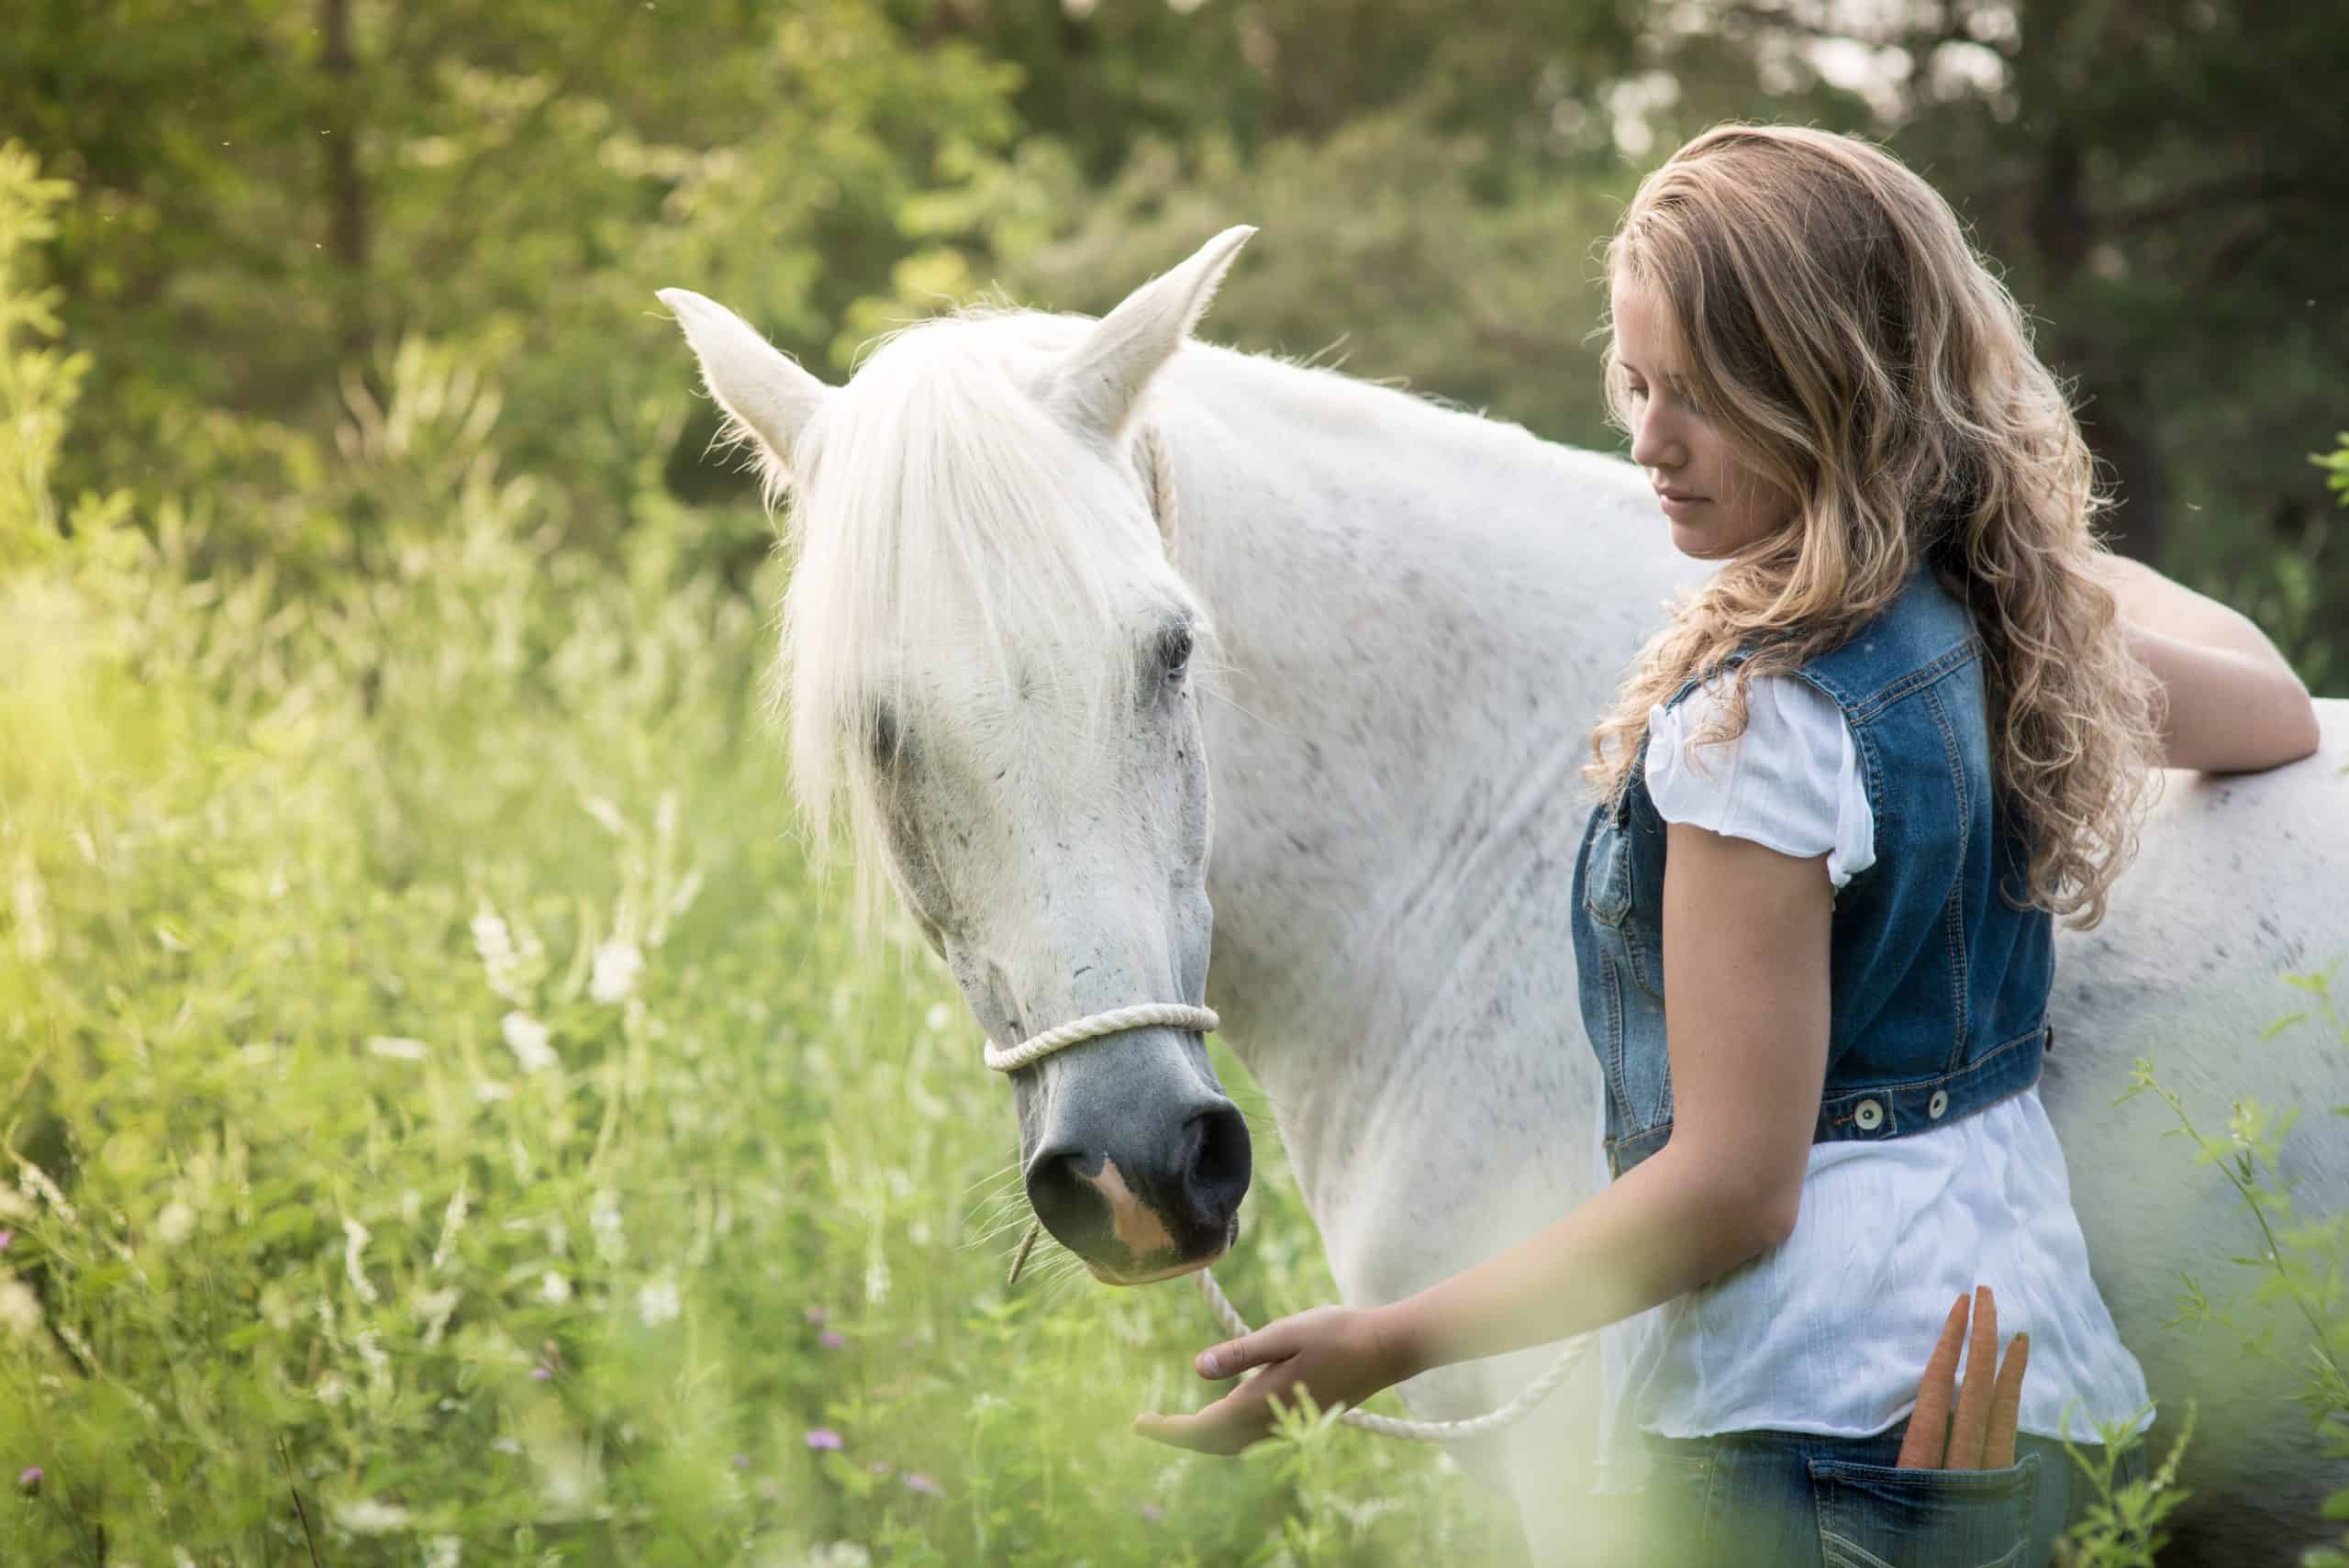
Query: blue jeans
1791	1500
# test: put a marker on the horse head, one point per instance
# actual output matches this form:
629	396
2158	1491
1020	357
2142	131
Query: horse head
987	661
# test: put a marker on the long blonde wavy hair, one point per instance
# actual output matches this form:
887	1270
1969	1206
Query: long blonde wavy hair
1845	338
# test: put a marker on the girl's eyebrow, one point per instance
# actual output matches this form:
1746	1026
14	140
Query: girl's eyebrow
1672	379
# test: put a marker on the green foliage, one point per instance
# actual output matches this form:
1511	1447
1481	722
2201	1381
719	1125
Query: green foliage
38	384
2121	1527
436	1100
2301	1263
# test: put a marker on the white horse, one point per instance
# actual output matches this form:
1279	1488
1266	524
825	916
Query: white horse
1010	531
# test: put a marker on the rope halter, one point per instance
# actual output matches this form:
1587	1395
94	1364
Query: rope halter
1174	1014
1035	1048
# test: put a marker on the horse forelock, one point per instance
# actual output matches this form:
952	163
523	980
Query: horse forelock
955	548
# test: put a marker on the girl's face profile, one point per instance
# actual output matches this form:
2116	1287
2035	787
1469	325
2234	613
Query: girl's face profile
1718	506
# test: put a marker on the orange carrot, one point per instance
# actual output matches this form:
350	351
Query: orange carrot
1929	1423
1973	1418
2006	1406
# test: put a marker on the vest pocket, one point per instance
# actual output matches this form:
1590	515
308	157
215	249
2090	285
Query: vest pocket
1607	886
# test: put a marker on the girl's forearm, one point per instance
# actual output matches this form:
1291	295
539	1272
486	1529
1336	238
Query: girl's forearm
1666	1228
2223	710
2162	604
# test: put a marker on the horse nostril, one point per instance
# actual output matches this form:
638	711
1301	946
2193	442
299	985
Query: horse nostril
1215	1174
1072	1208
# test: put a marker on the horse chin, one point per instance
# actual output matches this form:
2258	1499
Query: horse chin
1171	1271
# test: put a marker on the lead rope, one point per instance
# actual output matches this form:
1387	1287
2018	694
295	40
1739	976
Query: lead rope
1203	1019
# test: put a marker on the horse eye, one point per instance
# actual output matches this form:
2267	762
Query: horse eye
1175	650
886	740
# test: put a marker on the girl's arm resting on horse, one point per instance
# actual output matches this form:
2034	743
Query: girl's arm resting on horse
2232	702
1745	942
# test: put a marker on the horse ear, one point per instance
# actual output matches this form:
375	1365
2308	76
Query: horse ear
764	390
1097	387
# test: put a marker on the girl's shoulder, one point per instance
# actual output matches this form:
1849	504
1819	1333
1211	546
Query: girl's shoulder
1791	781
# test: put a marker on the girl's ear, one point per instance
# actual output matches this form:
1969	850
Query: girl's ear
764	391
1097	387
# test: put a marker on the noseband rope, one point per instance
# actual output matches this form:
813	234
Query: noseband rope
1173	1015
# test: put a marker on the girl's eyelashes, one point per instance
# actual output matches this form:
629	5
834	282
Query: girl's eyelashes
1688	400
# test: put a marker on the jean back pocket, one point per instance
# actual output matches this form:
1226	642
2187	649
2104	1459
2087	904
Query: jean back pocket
1879	1516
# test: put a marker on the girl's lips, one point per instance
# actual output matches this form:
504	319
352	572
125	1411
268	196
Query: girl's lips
1680	506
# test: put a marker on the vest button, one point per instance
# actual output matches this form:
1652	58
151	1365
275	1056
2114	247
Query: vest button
1938	1104
1868	1115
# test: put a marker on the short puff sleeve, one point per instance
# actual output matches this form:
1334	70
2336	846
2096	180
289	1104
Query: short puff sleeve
1791	781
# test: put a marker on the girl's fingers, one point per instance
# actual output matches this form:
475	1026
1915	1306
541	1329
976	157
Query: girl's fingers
1928	1424
1229	1359
2006	1406
1973	1418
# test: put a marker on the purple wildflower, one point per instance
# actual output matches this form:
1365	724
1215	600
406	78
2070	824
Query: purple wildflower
1152	1512
29	1478
917	1482
541	1373
831	1338
6	1236
825	1437
741	1461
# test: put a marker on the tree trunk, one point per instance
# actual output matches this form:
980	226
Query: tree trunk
346	194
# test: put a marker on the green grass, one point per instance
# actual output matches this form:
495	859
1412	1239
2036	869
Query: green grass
283	886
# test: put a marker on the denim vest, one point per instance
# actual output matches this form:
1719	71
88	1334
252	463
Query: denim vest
1938	986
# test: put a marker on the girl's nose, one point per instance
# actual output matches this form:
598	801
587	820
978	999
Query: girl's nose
1653	447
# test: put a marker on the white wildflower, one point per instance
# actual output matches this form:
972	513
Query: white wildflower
19	1307
444	1551
451	1223
617	963
488	1091
368	1516
180	1558
14	1208
657	1302
175	1224
603	1219
528	1039
687	891
554	1287
29	896
399	1048
504	962
937	1019
839	1554
354	1242
36	1183
569	1469
370	1344
605	812
664	815
332	1389
435	1308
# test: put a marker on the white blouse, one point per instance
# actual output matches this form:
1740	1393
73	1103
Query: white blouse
1829	1331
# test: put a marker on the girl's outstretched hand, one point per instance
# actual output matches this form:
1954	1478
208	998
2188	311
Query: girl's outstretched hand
1344	1354
1981	1434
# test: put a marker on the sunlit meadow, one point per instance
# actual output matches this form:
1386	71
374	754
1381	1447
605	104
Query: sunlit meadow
443	1125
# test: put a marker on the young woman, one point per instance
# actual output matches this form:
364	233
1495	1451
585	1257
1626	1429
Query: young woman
1840	800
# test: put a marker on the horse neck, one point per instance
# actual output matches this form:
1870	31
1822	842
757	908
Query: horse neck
1419	614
